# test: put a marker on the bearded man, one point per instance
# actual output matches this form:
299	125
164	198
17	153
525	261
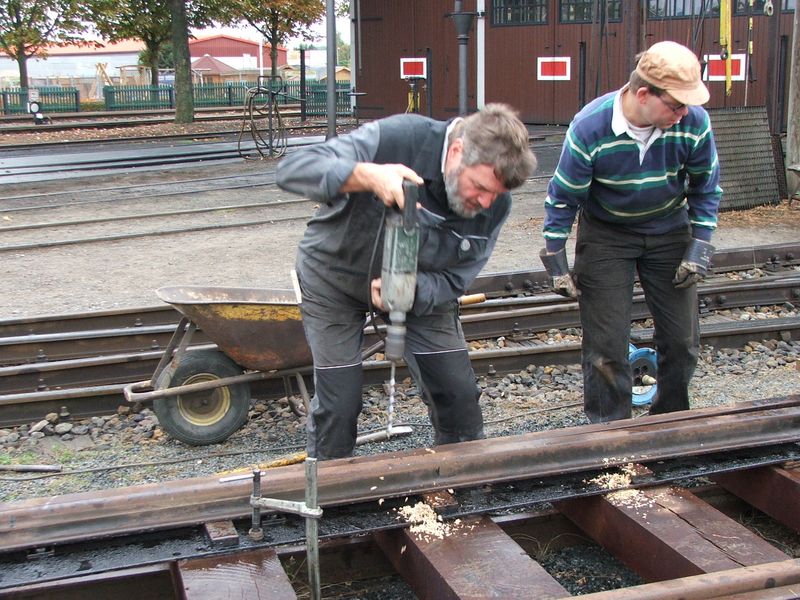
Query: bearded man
464	168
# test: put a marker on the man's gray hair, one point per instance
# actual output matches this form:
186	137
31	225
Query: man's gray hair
495	136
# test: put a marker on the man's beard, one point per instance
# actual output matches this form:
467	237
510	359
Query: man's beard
454	199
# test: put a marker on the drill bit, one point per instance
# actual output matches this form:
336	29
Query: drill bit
391	399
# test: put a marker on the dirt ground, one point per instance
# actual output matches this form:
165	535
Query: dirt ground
126	273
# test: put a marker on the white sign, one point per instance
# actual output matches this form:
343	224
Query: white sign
553	68
411	68
715	67
33	95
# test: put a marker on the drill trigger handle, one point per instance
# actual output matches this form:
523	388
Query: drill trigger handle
411	195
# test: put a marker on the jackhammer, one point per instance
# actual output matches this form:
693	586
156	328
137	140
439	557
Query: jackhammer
399	281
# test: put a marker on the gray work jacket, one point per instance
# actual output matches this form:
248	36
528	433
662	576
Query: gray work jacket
341	236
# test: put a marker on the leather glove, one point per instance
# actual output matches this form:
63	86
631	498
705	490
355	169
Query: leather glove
694	266
561	281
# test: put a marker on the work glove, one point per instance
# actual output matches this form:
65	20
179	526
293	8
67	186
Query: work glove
561	281
694	265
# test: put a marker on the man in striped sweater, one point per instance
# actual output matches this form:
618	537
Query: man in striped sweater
640	166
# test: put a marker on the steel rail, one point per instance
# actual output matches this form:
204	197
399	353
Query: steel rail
226	135
494	285
153	233
169	213
107	200
90	389
73	368
291	112
46	521
21	170
507	316
122	190
492	318
90	384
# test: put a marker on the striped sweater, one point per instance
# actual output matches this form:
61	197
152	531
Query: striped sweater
677	182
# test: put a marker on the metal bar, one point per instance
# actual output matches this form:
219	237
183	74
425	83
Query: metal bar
509	283
711	585
312	529
44	521
181	337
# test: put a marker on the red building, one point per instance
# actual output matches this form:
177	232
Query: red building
241	54
548	58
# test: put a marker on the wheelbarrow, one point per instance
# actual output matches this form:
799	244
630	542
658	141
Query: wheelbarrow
201	395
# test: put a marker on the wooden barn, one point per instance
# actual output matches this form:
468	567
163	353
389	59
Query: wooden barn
548	58
238	53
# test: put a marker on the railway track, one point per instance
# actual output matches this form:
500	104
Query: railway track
44	161
503	506
125	119
22	169
81	362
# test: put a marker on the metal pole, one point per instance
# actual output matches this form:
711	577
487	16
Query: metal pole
463	23
429	82
480	76
331	68
303	101
312	530
462	63
773	34
256	533
793	126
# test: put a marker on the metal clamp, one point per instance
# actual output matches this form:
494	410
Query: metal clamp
308	509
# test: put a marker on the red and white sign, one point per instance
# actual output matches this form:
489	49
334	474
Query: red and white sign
413	68
553	68
715	67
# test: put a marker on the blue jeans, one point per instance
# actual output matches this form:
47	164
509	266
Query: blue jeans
607	258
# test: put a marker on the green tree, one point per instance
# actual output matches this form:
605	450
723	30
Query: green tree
28	27
146	20
165	58
276	20
342	51
184	101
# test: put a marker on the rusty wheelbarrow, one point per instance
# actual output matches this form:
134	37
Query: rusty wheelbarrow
202	395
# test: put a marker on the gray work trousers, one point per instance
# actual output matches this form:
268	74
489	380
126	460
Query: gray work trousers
607	259
334	316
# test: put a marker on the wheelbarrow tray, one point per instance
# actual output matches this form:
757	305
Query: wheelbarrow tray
260	329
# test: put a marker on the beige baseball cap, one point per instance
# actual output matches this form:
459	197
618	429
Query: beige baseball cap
675	69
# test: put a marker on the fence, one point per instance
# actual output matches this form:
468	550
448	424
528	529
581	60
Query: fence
225	94
51	99
129	97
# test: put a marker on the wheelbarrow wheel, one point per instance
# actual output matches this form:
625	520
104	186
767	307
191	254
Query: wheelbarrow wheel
209	416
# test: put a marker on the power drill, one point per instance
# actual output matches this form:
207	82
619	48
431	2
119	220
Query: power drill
399	271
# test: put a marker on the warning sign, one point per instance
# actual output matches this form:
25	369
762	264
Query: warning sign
411	68
553	68
715	67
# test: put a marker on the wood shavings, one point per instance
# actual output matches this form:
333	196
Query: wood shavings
630	499
614	481
425	523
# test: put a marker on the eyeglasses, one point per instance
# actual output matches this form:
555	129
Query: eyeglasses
674	108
